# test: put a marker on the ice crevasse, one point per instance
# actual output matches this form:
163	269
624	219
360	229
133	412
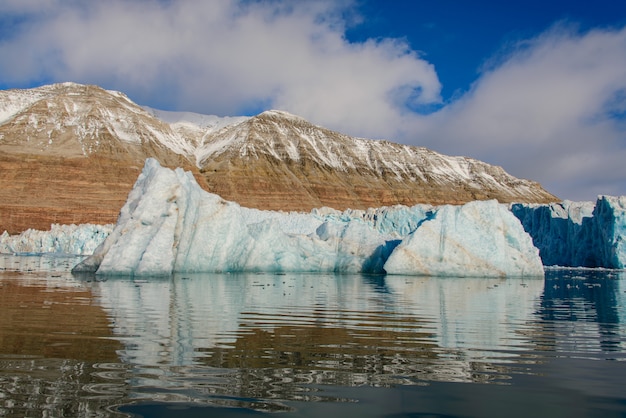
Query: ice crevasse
169	224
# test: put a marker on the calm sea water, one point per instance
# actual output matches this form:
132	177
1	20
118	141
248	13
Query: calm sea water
298	345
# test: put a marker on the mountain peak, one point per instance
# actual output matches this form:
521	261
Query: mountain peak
67	84
67	87
280	114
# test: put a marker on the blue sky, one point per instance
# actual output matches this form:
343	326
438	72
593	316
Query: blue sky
459	36
538	87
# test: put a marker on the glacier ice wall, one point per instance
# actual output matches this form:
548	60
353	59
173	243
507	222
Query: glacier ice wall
481	235
578	234
60	239
169	224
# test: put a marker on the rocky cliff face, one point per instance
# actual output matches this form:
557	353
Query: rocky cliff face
70	153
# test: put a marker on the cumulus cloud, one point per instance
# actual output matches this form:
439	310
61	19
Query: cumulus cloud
223	57
551	109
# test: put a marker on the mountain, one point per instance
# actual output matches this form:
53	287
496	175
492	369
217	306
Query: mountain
280	161
70	153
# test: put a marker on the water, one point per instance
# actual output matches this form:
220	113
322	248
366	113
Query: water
298	345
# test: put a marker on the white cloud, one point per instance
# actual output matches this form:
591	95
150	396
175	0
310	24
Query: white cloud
543	113
224	57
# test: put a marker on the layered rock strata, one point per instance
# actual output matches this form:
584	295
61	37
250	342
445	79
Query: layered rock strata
71	153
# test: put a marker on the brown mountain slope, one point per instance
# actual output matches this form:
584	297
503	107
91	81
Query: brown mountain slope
71	153
280	161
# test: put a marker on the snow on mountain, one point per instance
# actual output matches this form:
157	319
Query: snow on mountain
70	154
13	102
205	123
88	114
80	118
286	136
324	167
80	149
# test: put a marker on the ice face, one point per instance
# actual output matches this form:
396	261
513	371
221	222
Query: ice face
610	230
60	239
169	224
481	238
580	234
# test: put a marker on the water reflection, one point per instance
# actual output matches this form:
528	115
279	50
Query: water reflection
58	356
230	339
264	341
224	338
584	302
52	264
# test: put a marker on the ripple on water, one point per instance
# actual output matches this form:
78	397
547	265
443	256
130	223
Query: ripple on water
277	342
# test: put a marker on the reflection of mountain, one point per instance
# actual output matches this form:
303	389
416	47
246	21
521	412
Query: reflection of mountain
267	334
56	354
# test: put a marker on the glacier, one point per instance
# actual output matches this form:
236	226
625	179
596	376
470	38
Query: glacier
60	239
481	236
169	224
578	234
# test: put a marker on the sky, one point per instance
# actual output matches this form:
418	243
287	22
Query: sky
535	86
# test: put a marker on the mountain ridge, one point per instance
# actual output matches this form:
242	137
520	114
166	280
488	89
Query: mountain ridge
324	167
274	160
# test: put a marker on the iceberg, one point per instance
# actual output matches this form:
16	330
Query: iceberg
578	234
480	238
169	224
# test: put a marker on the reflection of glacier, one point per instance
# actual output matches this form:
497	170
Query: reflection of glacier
49	263
478	314
371	329
589	307
187	314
